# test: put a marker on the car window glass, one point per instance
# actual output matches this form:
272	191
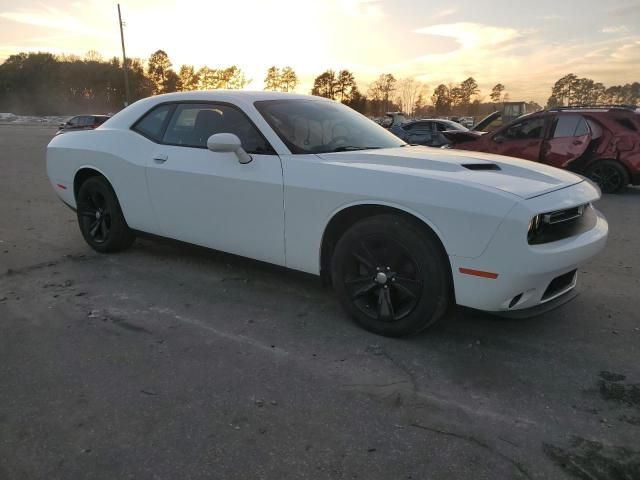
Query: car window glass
526	130
151	124
582	128
442	127
192	124
85	121
74	121
420	128
322	126
568	126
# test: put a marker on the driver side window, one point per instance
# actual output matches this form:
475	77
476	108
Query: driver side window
526	130
192	124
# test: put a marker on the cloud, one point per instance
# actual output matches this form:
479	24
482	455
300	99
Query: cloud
615	29
51	18
472	35
632	8
447	12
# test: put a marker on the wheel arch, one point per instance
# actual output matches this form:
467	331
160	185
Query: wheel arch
623	164
346	216
84	173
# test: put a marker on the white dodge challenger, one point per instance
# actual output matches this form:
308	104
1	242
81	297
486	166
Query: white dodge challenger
401	232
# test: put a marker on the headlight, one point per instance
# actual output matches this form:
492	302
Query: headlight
534	227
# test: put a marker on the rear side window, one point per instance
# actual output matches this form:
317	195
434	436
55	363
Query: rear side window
569	126
526	130
420	128
192	124
152	124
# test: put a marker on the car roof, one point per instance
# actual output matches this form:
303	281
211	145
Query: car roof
595	109
125	118
230	95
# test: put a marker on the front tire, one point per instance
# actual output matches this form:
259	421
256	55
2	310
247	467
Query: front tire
610	175
391	275
100	218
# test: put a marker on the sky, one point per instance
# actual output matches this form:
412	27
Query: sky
524	45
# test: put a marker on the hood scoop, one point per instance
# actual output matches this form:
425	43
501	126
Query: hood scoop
481	166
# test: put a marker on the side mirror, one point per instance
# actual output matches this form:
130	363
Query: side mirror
498	139
228	143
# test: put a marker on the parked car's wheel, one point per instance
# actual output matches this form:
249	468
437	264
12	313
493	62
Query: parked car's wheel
392	277
610	175
100	218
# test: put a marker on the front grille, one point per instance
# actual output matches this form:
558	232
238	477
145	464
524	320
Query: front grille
563	215
559	285
563	224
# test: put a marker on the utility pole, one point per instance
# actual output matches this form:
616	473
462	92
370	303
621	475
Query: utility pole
127	93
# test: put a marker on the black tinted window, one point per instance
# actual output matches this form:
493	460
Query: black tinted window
151	124
527	130
569	126
192	124
74	121
421	127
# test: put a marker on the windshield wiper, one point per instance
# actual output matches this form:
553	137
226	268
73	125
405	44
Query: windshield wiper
351	148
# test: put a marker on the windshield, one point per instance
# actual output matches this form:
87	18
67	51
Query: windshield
321	126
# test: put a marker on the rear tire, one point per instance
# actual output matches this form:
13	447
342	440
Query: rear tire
391	276
610	175
100	218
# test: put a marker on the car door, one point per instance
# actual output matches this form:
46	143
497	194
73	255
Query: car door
210	198
419	133
569	138
522	139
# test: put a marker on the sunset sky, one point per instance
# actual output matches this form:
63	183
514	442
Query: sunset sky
525	45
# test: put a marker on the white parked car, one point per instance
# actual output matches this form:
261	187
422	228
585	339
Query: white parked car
401	232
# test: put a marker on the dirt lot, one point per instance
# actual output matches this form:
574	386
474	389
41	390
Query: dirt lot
175	362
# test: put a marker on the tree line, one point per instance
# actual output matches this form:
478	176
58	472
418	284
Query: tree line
45	84
572	90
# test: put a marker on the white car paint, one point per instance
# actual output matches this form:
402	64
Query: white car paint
277	207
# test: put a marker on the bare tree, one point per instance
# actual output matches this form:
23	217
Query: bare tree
409	90
382	89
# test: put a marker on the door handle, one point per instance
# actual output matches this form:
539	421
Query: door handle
160	158
577	142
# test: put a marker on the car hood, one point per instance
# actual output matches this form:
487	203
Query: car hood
522	178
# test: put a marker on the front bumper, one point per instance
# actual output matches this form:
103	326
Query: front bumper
528	276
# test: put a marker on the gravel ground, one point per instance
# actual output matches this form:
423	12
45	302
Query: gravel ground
171	361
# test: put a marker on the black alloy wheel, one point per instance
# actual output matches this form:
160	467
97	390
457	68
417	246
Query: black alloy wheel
391	275
610	175
382	278
95	216
100	218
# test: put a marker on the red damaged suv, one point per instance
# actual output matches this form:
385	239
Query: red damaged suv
602	143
